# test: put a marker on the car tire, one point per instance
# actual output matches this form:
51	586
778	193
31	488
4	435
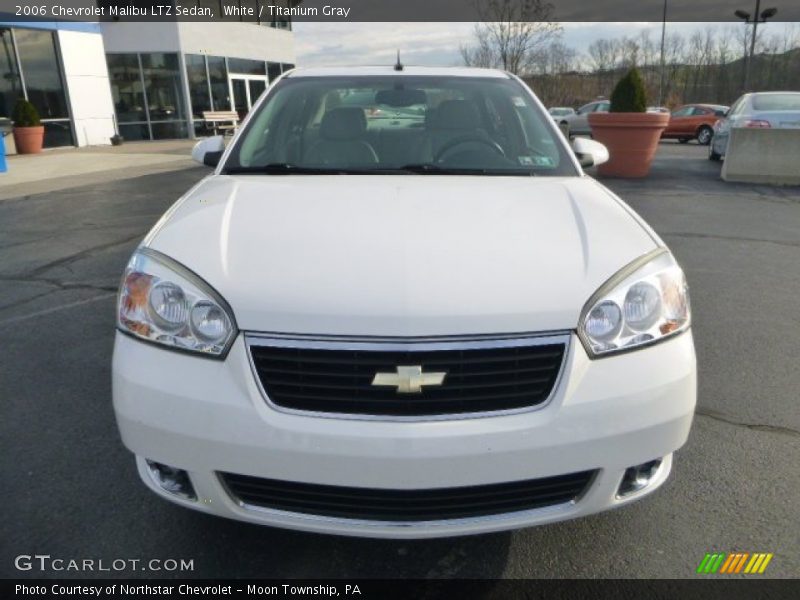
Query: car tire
713	155
704	135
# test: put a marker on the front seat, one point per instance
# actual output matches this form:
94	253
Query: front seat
341	140
451	120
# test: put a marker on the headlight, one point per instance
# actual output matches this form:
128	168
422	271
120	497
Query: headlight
643	303
164	302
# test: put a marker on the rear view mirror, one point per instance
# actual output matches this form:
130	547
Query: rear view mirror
208	152
589	152
400	97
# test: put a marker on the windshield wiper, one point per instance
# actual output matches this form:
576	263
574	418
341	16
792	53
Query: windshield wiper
434	169
288	169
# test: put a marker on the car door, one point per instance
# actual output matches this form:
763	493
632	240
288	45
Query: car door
680	122
579	122
702	116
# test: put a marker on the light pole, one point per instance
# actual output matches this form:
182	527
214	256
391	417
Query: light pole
759	16
663	36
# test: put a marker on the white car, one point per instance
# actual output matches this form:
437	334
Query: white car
763	110
427	326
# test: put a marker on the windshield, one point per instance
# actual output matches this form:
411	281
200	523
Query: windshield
768	102
400	124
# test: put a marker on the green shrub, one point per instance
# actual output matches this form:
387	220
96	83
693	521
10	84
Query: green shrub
629	95
25	114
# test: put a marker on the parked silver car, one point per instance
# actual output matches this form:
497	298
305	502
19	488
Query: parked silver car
560	111
777	110
579	122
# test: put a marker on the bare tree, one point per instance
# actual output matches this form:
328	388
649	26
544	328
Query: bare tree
512	34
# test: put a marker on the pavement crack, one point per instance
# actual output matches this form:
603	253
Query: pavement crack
57	287
718	416
77	256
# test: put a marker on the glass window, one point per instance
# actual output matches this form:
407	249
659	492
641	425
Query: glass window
169	130
273	70
218	75
58	134
162	81
134	132
403	123
198	84
257	88
246	67
37	55
286	67
683	112
10	83
126	87
776	101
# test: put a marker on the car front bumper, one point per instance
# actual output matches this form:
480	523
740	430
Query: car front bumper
209	417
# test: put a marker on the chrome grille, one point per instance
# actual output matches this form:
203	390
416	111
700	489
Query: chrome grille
336	376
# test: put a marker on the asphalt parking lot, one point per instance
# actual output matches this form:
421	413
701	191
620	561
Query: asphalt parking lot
74	492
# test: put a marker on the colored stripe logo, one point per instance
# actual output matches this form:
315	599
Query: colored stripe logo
735	562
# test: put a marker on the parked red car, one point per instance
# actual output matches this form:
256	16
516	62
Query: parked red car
694	121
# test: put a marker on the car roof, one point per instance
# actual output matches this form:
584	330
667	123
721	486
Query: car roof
408	71
773	93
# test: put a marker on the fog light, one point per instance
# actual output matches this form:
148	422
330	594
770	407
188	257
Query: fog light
171	479
637	478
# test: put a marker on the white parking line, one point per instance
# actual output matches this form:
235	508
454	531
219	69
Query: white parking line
48	311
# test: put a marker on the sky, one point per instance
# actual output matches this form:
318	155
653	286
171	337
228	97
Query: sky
437	44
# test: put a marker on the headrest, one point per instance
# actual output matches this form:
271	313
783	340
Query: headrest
343	123
455	114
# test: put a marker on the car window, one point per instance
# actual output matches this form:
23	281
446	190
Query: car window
602	107
737	106
698	111
392	124
776	101
586	108
683	112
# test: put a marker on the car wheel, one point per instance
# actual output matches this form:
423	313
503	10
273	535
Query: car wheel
713	155
683	140
704	135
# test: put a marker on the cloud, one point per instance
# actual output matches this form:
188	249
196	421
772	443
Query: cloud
437	44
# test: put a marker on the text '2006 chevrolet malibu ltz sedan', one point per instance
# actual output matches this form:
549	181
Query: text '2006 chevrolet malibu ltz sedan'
398	308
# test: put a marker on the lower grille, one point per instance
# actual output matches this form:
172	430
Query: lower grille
406	505
336	377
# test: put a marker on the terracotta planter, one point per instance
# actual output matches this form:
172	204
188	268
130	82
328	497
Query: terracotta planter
631	139
29	140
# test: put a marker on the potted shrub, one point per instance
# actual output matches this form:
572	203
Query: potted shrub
28	128
630	133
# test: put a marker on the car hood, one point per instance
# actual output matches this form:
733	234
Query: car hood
406	255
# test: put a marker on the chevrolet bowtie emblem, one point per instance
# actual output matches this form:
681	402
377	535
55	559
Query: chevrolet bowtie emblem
408	380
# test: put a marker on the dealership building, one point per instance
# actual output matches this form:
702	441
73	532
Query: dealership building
146	81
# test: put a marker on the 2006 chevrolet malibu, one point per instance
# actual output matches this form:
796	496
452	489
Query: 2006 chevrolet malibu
398	308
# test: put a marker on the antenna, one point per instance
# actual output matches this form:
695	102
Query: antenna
398	65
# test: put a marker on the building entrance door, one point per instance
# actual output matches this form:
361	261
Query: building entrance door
245	90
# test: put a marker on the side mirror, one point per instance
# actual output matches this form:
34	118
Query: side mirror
209	151
589	152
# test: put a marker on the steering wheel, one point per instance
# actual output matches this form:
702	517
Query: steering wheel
468	139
